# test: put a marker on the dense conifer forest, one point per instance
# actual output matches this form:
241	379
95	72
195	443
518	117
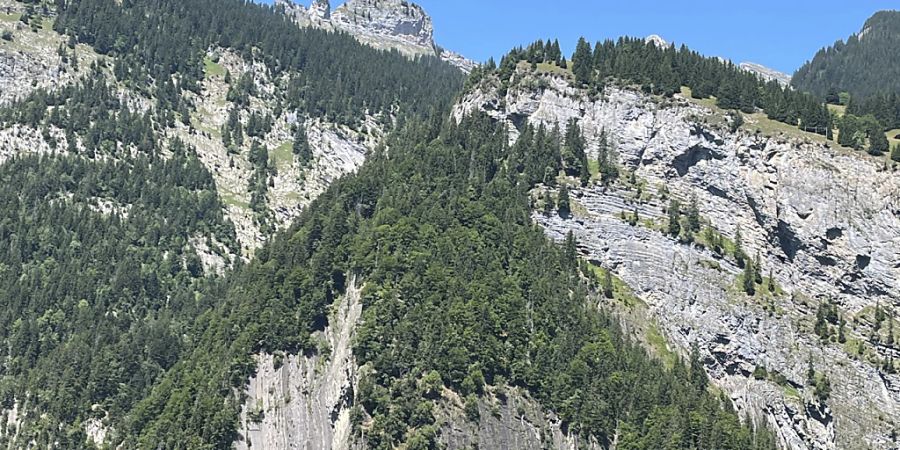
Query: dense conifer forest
863	66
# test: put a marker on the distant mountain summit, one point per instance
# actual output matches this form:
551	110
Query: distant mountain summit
760	70
766	73
867	63
383	24
657	40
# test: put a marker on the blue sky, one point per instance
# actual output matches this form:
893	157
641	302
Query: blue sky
779	34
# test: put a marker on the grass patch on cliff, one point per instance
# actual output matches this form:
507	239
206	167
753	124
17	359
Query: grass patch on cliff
212	69
14	17
231	199
637	313
894	136
283	156
553	69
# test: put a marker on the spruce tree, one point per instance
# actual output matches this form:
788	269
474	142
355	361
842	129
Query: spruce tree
878	143
301	146
562	202
674	218
606	164
693	215
748	279
582	62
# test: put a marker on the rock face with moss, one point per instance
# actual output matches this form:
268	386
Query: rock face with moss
383	24
824	221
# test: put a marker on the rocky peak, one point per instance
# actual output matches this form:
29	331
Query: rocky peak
766	73
397	23
320	9
657	40
383	24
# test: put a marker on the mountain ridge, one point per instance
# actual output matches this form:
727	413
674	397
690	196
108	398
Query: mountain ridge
864	64
384	24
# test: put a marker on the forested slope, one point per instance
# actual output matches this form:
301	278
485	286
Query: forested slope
461	289
115	237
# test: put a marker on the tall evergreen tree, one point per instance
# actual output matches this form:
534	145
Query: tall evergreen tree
582	62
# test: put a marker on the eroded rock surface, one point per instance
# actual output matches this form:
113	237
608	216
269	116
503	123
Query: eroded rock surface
383	24
303	402
825	222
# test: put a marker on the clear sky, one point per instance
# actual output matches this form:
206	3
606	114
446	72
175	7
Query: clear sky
781	34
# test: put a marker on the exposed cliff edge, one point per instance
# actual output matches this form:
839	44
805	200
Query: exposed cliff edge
301	402
825	222
383	24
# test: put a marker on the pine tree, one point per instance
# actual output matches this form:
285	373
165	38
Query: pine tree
606	165
739	255
674	218
693	215
748	279
606	284
582	62
549	205
562	202
301	146
878	143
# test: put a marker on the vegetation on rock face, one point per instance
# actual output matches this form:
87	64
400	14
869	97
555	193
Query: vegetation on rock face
664	70
461	289
108	302
163	43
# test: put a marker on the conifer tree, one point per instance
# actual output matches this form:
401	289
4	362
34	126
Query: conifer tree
693	215
582	62
562	202
674	218
878	143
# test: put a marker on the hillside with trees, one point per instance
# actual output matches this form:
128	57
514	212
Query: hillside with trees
865	64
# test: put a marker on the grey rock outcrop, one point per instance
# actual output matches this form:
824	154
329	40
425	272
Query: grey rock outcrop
300	402
508	418
29	60
825	221
766	73
383	24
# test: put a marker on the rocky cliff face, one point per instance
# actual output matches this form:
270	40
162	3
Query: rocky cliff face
383	24
300	402
825	222
30	58
508	418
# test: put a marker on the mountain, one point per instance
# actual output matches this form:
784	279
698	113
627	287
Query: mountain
866	63
766	73
783	198
224	230
383	24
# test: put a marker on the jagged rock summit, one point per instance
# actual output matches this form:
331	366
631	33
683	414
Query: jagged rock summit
383	24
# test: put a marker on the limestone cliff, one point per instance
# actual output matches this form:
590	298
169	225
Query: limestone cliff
824	220
383	24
